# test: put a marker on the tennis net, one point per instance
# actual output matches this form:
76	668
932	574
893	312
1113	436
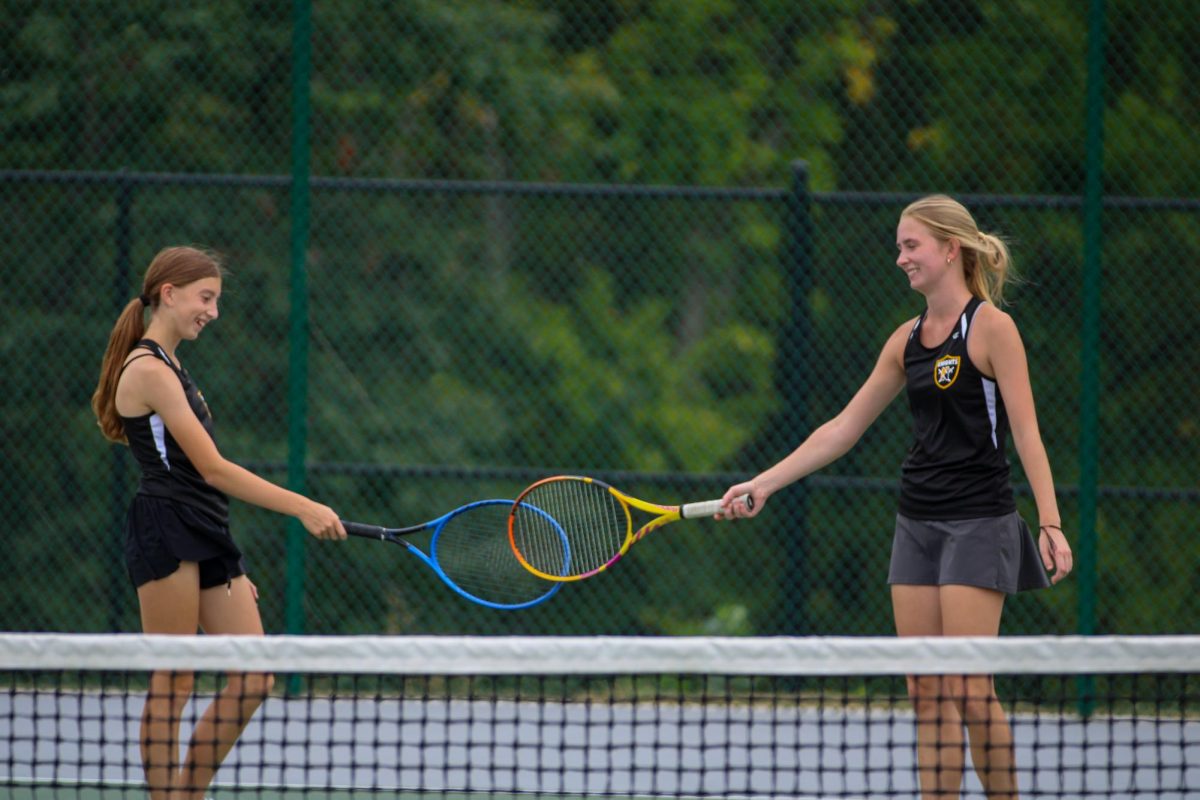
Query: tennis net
518	717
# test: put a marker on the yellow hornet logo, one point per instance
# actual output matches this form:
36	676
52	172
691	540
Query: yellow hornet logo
945	371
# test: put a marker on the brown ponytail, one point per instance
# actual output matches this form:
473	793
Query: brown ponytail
129	329
177	266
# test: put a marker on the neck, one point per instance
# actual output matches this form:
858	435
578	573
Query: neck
165	338
947	302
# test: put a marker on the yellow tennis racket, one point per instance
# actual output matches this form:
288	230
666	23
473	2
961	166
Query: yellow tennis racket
590	518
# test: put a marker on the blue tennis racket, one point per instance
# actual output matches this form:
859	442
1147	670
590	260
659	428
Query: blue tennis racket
470	552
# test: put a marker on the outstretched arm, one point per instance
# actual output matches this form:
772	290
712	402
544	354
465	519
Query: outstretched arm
833	439
160	390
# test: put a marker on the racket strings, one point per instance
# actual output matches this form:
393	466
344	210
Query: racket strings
594	522
539	541
473	551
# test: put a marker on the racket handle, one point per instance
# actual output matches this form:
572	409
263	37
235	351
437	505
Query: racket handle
710	507
364	530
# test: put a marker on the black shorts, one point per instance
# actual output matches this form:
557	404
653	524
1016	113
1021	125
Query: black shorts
990	552
160	533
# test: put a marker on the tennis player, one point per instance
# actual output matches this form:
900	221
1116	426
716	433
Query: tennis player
188	570
959	546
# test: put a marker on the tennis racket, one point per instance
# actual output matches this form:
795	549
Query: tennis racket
588	520
470	553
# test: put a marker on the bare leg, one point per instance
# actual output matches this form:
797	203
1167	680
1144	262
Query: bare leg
222	612
168	694
170	605
940	755
971	611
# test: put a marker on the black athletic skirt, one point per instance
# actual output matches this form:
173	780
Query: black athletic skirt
991	552
160	533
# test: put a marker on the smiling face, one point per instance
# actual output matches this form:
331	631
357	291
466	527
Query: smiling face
192	305
922	257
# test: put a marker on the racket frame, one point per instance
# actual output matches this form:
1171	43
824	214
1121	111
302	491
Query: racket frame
396	536
664	514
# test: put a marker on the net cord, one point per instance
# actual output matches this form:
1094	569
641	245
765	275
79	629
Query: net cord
598	655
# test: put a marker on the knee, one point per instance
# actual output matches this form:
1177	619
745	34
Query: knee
169	692
926	693
172	684
251	687
979	699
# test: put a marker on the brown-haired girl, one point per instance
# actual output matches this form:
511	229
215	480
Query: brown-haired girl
189	572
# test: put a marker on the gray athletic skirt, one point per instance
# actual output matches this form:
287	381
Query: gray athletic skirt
991	552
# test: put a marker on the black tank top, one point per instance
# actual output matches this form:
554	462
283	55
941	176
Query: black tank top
166	470
956	467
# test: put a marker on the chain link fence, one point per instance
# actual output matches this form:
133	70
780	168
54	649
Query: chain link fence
651	242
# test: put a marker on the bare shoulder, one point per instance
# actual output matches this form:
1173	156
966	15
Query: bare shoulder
143	365
141	381
994	341
993	322
899	336
905	328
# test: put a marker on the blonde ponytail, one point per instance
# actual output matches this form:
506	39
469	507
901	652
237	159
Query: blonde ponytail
987	267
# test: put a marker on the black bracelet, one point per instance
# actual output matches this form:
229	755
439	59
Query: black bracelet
1043	527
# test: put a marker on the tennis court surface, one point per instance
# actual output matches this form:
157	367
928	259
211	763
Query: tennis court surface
520	717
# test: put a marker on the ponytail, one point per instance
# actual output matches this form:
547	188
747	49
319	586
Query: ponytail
130	328
987	266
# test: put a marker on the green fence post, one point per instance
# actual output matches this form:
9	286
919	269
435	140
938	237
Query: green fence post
1089	404
792	383
298	314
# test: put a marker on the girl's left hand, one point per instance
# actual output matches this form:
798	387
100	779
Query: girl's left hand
1056	553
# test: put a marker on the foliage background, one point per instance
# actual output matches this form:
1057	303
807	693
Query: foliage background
558	235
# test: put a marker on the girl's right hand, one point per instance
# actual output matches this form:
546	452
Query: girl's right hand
322	522
733	507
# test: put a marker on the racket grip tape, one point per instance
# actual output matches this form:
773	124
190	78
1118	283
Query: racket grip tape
710	507
364	530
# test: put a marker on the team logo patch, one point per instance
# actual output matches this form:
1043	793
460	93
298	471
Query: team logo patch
945	371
